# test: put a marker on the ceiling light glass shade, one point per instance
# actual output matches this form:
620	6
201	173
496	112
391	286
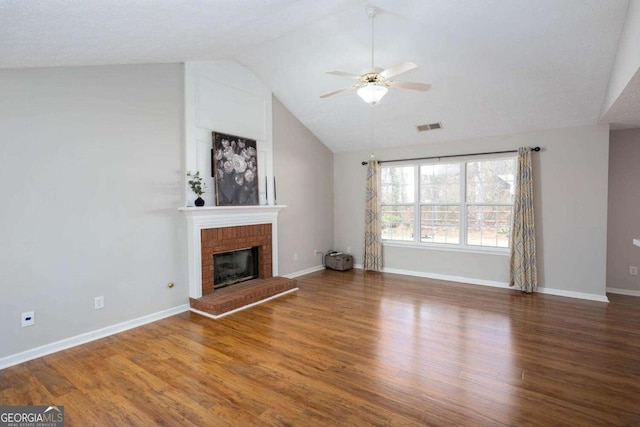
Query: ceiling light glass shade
372	93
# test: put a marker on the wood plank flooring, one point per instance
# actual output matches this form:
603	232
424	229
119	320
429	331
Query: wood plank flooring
357	349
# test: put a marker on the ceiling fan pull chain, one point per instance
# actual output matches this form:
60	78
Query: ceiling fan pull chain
373	143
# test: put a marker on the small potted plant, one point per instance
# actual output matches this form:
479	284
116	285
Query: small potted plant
197	186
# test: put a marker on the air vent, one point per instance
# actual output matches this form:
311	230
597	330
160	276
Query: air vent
432	126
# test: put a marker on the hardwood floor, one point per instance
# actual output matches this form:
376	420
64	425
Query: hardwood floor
354	348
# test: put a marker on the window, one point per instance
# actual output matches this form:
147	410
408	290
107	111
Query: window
459	204
440	203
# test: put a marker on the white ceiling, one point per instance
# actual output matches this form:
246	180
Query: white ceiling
496	66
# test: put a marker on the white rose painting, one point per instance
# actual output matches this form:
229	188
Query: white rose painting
235	169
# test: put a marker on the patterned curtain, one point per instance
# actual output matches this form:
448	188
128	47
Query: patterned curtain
523	272
372	225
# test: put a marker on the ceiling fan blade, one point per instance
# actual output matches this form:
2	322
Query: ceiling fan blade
326	95
343	74
410	85
398	69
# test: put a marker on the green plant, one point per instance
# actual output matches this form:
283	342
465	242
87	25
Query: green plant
197	183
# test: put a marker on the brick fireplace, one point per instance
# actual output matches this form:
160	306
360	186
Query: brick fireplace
225	239
221	228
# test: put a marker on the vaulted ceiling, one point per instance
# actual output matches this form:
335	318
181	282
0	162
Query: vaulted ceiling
496	66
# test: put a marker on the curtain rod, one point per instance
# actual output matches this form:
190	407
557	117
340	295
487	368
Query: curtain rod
451	155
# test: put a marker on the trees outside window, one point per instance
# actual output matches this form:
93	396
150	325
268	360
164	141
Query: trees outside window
463	204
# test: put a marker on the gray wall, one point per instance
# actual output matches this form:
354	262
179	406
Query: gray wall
624	209
303	168
571	210
90	179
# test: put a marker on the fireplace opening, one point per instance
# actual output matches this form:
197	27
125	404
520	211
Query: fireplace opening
234	267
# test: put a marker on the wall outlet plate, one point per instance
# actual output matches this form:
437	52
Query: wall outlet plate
98	302
633	270
28	318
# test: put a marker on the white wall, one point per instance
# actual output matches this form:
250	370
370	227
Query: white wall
225	97
571	211
91	174
624	210
304	171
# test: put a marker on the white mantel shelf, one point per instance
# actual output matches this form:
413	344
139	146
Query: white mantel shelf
228	216
199	218
214	210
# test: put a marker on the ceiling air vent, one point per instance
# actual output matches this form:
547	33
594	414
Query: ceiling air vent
432	126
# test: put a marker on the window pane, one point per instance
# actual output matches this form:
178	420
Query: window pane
397	184
397	222
491	181
440	183
488	226
440	224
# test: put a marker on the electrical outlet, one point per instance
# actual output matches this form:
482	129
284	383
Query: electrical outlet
348	249
317	252
28	318
633	270
98	302
295	256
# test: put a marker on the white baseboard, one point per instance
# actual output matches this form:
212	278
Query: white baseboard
571	294
303	272
623	292
244	307
449	278
66	343
495	284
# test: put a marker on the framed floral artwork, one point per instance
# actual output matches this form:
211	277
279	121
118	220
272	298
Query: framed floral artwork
234	162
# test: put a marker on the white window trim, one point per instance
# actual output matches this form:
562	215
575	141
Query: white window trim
452	247
486	250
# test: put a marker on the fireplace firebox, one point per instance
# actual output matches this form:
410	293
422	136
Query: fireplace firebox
234	267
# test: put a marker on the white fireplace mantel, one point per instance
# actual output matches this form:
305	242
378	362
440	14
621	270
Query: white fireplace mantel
200	218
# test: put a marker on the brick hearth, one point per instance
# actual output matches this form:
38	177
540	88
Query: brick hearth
232	297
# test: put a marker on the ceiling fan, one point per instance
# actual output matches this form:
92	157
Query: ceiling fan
374	83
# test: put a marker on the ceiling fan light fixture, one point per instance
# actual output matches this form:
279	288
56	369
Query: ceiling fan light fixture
372	93
373	84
